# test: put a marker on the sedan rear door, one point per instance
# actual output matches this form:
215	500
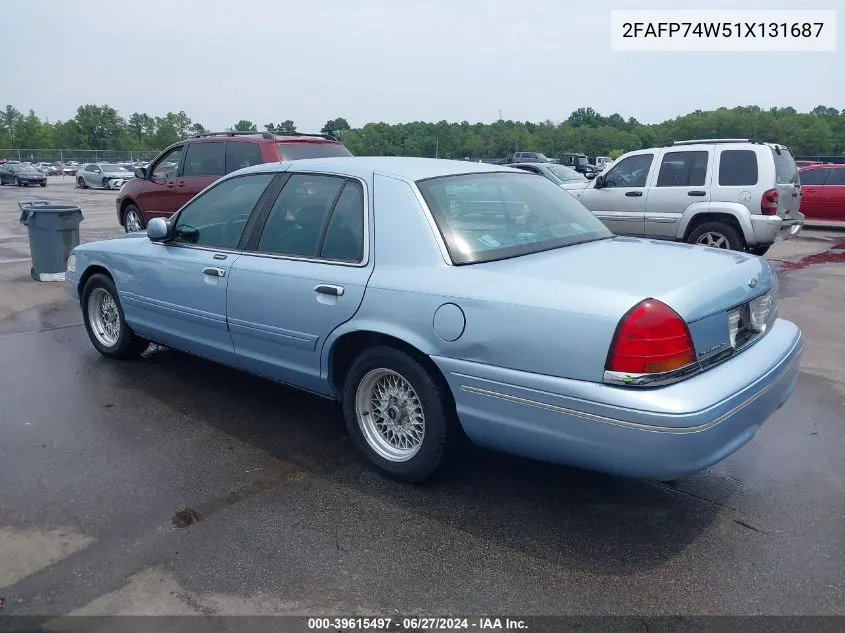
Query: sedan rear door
303	273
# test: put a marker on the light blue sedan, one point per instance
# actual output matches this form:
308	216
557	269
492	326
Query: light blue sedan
519	321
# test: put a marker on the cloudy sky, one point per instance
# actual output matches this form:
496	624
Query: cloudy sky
382	60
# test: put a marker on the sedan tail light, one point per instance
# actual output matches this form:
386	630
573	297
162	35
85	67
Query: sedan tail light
650	339
769	203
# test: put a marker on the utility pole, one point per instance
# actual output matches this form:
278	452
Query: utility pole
437	148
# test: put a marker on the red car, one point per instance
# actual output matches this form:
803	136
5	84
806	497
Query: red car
184	169
823	192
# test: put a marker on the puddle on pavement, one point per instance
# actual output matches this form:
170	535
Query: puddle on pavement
268	479
834	255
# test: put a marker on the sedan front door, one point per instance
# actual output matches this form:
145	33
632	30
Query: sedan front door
302	275
620	201
177	294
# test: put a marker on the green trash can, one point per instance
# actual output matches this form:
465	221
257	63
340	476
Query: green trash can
53	232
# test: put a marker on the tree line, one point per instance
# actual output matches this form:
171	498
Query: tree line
100	127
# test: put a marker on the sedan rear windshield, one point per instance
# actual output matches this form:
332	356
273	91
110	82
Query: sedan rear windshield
298	151
489	216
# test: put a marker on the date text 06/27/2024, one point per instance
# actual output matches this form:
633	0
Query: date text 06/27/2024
723	31
417	623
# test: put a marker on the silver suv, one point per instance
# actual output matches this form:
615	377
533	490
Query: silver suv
737	194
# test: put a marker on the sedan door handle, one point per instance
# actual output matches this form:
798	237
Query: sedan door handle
214	272
696	193
329	289
634	194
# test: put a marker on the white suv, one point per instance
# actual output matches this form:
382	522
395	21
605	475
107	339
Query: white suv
737	194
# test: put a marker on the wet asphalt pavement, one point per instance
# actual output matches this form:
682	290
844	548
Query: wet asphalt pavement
171	485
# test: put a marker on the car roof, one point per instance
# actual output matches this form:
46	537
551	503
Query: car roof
403	167
824	165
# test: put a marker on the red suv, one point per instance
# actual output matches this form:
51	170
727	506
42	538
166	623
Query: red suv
184	169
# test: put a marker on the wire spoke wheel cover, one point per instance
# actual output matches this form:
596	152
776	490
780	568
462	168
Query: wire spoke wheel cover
104	317
390	415
713	240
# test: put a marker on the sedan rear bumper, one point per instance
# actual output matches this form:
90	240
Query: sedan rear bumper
659	433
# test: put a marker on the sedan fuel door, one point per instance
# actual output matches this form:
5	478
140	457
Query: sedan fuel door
619	197
303	273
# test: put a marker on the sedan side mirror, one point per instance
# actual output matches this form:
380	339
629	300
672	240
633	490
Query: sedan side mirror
141	172
158	229
599	180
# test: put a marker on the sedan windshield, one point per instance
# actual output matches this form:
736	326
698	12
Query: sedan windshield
110	167
489	216
566	174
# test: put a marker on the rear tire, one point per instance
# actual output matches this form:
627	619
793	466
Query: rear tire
43	184
717	234
399	416
105	323
759	250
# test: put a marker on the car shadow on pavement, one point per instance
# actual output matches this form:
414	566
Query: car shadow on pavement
571	517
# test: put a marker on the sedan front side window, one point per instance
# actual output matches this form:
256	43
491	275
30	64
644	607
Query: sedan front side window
217	218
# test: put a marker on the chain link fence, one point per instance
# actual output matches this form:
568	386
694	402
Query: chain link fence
78	155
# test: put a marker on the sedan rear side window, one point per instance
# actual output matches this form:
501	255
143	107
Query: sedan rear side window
300	215
489	216
738	168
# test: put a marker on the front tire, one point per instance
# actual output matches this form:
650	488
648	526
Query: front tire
132	219
717	235
105	323
81	183
760	250
106	185
399	416
43	184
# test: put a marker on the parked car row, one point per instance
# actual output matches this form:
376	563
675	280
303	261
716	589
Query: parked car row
733	194
21	175
356	279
